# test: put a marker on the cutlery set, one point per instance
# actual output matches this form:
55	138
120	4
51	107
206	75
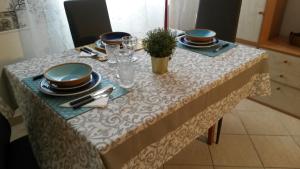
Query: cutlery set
105	92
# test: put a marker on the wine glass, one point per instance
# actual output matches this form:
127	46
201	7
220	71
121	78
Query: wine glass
130	43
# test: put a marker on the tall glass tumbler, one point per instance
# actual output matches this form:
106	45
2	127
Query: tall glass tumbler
112	51
126	69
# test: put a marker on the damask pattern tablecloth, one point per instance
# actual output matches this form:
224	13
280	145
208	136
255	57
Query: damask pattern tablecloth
143	129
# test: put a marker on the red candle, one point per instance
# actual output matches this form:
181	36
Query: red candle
166	16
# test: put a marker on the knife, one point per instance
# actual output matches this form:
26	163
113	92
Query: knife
39	76
89	98
221	47
88	51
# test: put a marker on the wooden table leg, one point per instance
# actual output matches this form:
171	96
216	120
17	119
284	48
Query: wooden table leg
219	130
211	132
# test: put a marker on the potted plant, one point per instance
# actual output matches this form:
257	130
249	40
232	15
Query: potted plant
160	44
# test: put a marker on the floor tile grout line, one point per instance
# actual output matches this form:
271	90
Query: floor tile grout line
259	157
276	117
298	144
249	136
212	160
289	134
282	123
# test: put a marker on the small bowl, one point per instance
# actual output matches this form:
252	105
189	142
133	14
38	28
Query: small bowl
113	37
68	74
200	35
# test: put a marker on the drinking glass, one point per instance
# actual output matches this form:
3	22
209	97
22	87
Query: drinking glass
112	51
126	69
130	43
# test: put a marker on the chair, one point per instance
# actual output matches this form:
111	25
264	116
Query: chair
87	20
17	154
220	16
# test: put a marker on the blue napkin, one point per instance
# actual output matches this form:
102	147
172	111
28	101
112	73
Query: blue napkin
54	102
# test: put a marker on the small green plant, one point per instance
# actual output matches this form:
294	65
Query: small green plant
159	43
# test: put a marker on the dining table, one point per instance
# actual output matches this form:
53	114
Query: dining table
154	121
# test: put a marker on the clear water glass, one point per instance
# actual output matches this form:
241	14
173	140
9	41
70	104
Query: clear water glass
112	51
126	70
130	43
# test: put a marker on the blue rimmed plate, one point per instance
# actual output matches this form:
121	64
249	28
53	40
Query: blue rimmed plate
182	41
113	37
214	40
200	35
46	88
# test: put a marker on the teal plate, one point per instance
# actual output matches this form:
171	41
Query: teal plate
201	33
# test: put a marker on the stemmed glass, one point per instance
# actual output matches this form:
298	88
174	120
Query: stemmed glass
130	43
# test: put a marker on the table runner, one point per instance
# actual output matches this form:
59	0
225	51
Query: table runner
191	91
68	112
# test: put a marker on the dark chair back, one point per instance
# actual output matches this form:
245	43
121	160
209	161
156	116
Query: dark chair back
222	16
5	132
87	20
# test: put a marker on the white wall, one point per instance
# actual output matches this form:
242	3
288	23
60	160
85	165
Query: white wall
291	20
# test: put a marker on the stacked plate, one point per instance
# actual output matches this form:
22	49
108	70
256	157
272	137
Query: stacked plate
111	38
199	38
69	79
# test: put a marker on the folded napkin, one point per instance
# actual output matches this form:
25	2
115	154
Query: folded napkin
84	54
101	102
100	55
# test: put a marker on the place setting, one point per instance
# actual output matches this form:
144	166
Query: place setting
203	41
74	88
109	41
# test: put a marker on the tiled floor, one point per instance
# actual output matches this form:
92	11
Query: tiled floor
253	137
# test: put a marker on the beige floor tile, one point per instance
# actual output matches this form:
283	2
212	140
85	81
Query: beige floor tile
18	131
292	124
277	151
262	123
235	150
196	153
249	105
187	167
232	124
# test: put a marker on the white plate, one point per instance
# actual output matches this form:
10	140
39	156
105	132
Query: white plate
184	43
46	88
